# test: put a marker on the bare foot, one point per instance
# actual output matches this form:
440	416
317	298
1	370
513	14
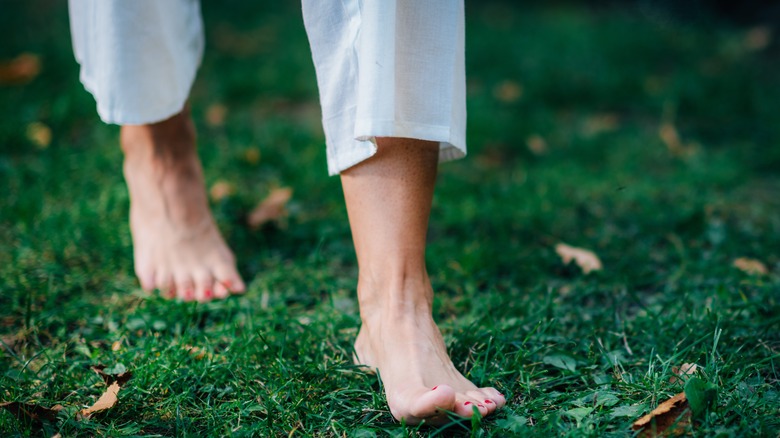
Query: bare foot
400	339
178	248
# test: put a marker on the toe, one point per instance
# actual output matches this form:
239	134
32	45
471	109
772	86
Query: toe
229	278
164	282
220	291
204	286
185	287
146	276
432	402
464	407
495	395
483	401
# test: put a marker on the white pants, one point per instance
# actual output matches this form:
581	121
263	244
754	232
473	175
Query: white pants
387	68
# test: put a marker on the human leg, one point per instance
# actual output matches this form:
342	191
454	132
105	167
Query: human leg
139	60
388	200
177	245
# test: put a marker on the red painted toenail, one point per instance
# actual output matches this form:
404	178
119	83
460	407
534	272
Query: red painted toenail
466	404
434	388
481	406
487	402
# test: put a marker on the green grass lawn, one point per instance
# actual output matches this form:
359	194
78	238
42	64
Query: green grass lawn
653	141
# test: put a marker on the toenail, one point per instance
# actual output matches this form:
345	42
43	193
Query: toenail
434	388
466	404
481	406
487	402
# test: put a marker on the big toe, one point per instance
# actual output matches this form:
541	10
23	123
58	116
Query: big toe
426	404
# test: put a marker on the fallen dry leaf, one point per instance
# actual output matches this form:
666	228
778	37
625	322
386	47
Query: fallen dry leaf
750	266
508	91
29	411
669	418
587	260
536	144
271	208
20	70
682	373
111	378
220	190
197	352
758	38
39	134
106	401
116	346
598	123
215	115
252	155
671	138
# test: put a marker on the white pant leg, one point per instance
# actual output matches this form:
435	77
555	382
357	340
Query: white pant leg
389	68
138	57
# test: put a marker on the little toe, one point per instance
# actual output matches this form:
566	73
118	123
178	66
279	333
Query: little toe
229	278
147	279
163	280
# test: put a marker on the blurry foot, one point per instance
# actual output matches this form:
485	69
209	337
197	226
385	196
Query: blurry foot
178	248
399	338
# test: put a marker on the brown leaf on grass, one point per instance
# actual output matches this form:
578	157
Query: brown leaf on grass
750	266
271	208
215	115
20	70
508	91
682	373
29	411
671	138
197	352
116	346
106	401
587	260
39	134
252	155
536	144
111	378
669	418
598	123
758	38
220	190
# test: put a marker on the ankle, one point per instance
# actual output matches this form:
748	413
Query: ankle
398	295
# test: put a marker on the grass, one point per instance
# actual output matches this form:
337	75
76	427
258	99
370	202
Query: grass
577	355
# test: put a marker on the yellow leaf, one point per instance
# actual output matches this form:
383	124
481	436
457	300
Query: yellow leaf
750	266
587	260
508	91
220	190
271	208
39	134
